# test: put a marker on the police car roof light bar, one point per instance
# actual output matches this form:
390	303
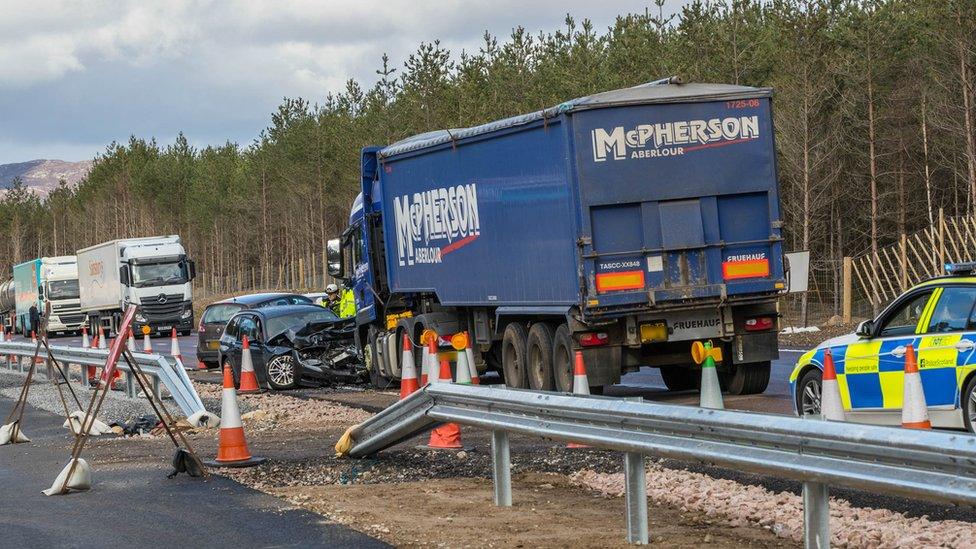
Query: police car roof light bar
965	268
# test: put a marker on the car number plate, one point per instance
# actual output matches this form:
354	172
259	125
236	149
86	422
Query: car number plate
213	345
164	328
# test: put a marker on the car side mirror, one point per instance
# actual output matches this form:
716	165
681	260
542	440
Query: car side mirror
333	253
191	267
865	329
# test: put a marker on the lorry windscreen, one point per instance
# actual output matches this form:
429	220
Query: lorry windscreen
159	274
63	289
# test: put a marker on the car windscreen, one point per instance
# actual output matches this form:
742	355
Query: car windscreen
159	274
298	319
62	289
219	314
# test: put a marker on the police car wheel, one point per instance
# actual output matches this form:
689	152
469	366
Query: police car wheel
808	391
969	406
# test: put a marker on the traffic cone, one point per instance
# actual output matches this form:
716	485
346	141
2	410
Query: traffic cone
37	359
101	338
710	395
249	381
581	386
424	363
84	338
131	341
408	379
432	368
146	344
914	412
201	365
33	338
469	353
174	347
232	451
448	435
463	375
831	407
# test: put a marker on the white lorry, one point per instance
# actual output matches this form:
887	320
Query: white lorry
152	273
59	279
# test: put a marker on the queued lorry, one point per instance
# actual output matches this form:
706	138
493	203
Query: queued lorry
153	273
42	280
625	225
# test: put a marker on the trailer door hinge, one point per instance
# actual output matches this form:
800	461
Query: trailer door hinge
584	241
777	224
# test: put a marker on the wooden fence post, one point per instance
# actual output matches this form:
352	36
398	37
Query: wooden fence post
848	287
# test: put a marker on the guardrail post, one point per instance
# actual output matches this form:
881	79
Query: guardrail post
501	472
636	497
155	388
816	516
130	385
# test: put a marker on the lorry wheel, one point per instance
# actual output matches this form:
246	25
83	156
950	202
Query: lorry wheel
376	378
677	378
539	353
514	356
562	359
746	379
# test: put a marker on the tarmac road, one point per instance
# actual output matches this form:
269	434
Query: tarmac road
133	504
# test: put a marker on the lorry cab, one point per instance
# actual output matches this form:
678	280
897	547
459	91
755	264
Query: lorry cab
59	285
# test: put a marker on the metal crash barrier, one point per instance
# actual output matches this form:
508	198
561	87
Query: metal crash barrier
938	466
164	370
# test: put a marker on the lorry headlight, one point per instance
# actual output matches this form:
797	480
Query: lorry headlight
187	313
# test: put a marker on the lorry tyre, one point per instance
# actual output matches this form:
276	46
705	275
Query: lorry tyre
514	359
539	354
677	378
562	359
750	378
376	379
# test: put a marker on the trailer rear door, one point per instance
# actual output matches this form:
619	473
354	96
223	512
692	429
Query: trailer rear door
679	202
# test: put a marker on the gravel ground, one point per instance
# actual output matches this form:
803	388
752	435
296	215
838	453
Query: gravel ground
782	513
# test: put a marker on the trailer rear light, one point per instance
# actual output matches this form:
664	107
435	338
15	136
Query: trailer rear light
759	324
594	339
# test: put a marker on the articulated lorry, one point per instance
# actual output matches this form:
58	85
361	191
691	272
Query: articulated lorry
153	273
44	279
626	225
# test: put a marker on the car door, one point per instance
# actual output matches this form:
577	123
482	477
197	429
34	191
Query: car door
948	345
259	349
230	343
865	379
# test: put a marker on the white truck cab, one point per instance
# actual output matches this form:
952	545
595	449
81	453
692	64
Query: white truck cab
59	283
153	273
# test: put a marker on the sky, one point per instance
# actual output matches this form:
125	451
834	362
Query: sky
74	76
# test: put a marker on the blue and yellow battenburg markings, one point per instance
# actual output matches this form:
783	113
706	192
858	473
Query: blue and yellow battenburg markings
869	376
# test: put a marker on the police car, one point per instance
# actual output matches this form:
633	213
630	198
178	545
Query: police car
938	318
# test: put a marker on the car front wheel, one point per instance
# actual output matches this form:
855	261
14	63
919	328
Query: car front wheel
969	405
282	373
808	391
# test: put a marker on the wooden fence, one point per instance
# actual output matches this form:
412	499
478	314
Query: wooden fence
884	276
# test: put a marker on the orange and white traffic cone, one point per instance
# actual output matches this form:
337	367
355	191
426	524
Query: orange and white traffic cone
463	375
581	386
84	338
174	347
408	378
448	435
101	339
146	344
131	341
232	451
430	364
33	338
914	411
831	407
469	353
249	380
38	359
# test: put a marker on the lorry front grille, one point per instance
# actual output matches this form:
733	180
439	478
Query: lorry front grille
71	319
174	305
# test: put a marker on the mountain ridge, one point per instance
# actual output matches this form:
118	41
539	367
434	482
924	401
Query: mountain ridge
43	175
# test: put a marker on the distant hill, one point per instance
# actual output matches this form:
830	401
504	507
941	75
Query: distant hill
42	176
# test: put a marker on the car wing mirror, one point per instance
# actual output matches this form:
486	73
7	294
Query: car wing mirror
865	329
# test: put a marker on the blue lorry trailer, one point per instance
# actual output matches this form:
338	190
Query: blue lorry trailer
626	224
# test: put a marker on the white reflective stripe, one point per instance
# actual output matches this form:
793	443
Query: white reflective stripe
913	406
230	413
581	385
246	364
830	404
408	369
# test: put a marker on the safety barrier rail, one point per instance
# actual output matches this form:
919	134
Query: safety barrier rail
162	369
938	466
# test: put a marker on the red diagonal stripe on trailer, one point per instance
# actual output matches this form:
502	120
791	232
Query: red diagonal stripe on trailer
719	144
458	244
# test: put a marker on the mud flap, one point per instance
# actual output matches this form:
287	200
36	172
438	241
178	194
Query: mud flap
602	365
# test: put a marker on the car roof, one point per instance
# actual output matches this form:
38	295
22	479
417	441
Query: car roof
252	299
946	280
283	310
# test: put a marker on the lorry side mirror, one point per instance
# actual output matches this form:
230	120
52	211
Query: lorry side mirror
192	268
333	254
123	275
